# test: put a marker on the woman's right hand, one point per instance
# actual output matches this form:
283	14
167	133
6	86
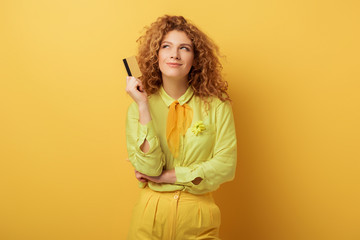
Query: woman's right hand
135	89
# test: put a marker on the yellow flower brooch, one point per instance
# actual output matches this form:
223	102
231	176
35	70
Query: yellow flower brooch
198	127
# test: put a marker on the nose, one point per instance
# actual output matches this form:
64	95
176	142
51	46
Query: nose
175	54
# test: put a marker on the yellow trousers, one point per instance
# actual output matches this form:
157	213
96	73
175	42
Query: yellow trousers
174	216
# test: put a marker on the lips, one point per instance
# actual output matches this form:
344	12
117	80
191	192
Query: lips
174	64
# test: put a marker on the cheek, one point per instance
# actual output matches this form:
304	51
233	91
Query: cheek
190	57
160	56
190	61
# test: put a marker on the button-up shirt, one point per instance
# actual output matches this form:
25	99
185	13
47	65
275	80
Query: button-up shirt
209	153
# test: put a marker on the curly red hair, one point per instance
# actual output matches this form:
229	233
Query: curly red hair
205	75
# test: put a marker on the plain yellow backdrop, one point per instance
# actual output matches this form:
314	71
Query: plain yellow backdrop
294	76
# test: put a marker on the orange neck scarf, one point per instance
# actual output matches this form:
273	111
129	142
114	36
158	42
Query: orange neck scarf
178	121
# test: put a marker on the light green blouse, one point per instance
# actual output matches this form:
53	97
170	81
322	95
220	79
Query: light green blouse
211	154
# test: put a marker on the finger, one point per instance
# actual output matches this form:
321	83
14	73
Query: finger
143	175
131	82
141	87
135	85
143	180
139	175
152	179
130	79
139	178
139	82
133	79
136	171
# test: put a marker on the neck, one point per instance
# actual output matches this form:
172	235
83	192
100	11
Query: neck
175	89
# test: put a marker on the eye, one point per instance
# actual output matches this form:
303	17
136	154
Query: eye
186	48
165	46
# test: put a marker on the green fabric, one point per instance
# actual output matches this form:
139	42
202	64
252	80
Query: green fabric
211	154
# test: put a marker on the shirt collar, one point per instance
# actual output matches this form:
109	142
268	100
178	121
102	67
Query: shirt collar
182	100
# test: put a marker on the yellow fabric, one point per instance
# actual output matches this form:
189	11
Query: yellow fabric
209	154
178	121
174	216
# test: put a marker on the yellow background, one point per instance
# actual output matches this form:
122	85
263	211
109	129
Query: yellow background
293	72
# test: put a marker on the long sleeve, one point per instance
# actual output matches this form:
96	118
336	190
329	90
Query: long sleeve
152	162
221	167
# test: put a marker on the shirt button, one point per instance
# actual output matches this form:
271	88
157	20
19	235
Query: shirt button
176	196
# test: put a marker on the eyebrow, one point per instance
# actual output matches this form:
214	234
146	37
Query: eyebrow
181	44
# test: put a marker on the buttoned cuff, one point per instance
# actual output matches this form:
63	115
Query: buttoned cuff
185	175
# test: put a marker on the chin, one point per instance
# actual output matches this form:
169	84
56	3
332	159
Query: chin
174	77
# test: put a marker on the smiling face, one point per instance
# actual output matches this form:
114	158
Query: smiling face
176	56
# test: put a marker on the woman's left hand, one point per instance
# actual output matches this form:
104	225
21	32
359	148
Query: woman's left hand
167	176
140	177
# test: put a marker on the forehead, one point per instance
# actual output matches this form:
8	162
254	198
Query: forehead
177	37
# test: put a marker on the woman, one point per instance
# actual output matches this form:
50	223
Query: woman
180	133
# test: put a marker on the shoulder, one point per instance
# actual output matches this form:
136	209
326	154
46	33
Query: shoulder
211	105
217	104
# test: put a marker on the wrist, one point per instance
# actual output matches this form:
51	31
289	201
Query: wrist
144	113
171	176
144	104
